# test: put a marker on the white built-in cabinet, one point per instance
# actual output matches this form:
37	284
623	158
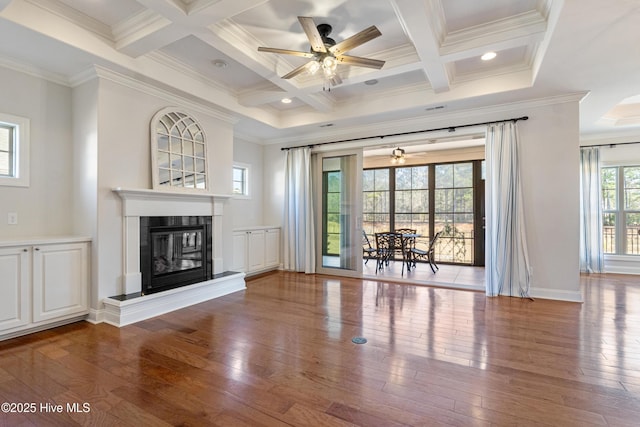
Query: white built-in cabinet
44	283
256	250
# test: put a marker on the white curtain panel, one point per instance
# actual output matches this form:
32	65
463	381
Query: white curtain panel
299	236
591	253
507	269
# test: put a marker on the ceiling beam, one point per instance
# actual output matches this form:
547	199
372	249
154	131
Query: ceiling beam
421	21
165	22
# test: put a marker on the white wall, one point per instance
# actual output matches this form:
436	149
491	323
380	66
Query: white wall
43	208
273	184
550	178
124	160
85	170
550	165
247	212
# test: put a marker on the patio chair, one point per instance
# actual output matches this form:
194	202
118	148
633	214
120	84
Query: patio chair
404	246
428	255
384	249
368	251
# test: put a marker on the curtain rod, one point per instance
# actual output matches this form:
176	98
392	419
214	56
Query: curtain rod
448	128
610	145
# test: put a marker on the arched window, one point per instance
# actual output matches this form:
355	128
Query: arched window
178	151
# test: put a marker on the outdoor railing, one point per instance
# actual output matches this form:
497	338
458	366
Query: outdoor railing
632	237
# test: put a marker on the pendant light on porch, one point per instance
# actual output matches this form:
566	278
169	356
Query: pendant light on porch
397	156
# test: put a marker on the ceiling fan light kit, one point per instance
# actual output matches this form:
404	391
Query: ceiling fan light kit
397	156
326	54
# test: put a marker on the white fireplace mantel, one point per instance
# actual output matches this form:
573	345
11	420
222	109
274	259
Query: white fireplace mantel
140	202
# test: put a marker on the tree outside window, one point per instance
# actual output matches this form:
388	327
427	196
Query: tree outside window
621	210
375	207
427	198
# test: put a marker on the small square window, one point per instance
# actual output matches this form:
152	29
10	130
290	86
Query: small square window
14	151
240	180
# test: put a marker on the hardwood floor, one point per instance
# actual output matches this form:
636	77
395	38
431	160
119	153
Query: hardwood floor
281	353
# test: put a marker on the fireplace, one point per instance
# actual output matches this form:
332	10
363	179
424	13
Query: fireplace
131	306
175	251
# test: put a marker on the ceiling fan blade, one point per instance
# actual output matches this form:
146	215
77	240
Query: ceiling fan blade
355	40
360	62
286	52
315	39
296	71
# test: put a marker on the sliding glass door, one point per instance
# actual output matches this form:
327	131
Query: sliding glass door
339	176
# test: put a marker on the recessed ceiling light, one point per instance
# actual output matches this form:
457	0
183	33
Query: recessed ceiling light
219	63
488	56
371	82
286	100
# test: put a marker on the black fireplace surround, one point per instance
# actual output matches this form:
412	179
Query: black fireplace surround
175	251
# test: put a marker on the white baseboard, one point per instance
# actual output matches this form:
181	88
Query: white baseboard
622	264
121	313
95	316
44	326
555	294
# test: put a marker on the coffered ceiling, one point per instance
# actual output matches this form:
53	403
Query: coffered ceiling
206	50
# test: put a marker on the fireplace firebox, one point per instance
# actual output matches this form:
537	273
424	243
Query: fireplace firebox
175	251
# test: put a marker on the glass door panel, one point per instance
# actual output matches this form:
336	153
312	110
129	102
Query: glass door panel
340	207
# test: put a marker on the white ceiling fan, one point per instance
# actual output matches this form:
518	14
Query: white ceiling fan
326	54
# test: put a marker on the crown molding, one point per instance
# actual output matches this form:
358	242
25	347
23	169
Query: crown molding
614	136
464	115
525	24
241	39
83	77
172	63
435	10
136	23
152	90
75	17
25	68
457	78
247	138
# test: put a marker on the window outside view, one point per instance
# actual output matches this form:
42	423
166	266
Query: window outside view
621	210
6	150
240	181
332	227
400	197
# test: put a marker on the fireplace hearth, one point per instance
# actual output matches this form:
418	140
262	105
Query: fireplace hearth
175	251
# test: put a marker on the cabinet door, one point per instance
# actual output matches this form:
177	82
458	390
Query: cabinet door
60	280
255	250
239	262
272	247
14	288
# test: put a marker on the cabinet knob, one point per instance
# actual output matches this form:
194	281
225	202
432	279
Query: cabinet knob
37	249
25	250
